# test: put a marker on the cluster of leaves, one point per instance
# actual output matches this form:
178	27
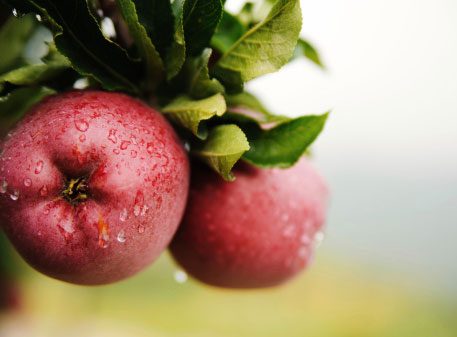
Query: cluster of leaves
189	58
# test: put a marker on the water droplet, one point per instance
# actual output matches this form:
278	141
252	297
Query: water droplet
289	231
82	138
133	153
103	241
66	229
116	151
305	239
38	17
15	13
28	182
112	136
81	125
180	276
125	144
121	237
144	210
138	204
124	215
150	148
187	146
3	186
141	229
15	195
136	210
44	191
39	167
318	238
302	252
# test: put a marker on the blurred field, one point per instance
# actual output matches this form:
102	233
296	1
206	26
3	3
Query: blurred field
332	299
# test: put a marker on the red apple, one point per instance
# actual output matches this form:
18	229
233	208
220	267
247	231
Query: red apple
258	231
92	186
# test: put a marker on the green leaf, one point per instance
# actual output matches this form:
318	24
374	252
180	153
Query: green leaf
247	107
190	113
176	54
200	84
157	18
200	20
149	54
263	49
306	49
37	73
285	144
229	31
14	35
78	37
14	105
33	74
225	145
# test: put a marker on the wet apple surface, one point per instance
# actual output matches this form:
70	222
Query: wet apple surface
257	231
92	186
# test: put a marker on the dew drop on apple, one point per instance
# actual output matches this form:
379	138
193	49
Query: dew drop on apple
288	231
136	210
124	215
318	239
125	144
27	182
44	191
39	167
144	210
305	239
302	252
103	240
82	138
81	124
121	237
3	186
15	195
141	229
112	136
150	148
133	154
180	276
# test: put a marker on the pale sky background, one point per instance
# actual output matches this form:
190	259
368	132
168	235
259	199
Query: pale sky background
389	151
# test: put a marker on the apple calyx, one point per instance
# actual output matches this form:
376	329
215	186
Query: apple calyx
76	190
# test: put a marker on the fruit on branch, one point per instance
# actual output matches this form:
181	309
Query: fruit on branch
93	186
258	231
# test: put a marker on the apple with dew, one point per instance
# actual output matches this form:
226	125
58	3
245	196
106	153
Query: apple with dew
93	186
257	231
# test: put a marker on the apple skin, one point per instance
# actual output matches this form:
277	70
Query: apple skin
136	175
255	232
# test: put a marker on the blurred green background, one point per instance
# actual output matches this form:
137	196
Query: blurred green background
335	298
388	266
